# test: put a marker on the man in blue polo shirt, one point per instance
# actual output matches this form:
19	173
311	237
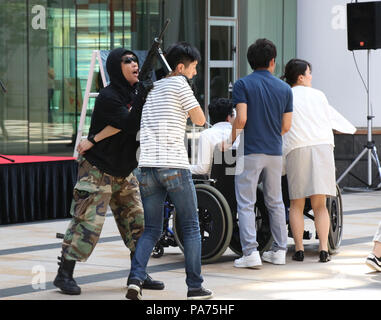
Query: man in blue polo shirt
264	113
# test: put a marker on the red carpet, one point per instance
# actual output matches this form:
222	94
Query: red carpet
28	159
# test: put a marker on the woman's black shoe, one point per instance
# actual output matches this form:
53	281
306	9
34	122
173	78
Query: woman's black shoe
298	256
324	256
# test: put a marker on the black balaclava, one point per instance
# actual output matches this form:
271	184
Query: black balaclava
114	69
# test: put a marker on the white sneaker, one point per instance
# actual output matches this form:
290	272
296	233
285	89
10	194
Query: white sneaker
275	257
251	261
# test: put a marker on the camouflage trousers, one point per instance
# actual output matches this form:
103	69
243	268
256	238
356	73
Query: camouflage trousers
93	192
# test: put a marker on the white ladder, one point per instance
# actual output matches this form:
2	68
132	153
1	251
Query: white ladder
96	56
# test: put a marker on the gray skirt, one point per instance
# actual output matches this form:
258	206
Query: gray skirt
311	171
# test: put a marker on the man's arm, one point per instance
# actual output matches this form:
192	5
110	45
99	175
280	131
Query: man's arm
114	112
286	122
287	115
119	115
240	121
197	116
238	126
85	144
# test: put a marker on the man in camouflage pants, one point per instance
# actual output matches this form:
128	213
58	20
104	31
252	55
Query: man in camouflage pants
94	191
105	175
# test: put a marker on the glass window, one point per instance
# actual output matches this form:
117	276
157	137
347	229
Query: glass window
221	80
38	78
221	40
45	58
63	90
187	24
280	29
222	8
14	128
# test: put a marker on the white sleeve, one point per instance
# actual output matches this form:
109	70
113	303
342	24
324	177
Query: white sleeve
339	123
186	96
204	156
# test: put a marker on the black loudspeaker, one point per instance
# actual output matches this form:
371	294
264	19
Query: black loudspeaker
364	25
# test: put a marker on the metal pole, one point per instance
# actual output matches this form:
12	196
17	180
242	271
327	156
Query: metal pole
370	116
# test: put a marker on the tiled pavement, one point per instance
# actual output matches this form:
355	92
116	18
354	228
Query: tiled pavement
28	265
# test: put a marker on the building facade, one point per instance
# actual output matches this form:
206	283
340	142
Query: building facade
343	76
46	48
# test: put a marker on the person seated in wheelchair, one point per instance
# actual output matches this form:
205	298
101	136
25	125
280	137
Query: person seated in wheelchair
222	115
308	155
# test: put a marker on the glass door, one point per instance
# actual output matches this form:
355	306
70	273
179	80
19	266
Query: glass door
222	32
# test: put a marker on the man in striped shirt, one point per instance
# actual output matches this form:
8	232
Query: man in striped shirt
164	169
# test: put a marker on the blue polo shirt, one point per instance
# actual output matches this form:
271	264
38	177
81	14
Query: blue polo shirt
267	99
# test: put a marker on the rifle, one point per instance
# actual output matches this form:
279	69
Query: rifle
153	54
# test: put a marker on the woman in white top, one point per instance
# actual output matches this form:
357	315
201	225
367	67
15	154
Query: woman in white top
308	151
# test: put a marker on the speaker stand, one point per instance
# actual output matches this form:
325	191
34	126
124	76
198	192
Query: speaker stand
369	148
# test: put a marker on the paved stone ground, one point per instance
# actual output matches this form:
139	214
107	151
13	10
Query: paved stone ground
28	265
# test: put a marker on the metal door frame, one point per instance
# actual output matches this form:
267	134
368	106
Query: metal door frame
220	21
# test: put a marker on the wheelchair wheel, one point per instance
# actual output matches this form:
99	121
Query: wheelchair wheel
335	210
264	236
216	223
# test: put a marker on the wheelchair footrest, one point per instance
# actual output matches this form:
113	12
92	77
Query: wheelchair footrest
307	235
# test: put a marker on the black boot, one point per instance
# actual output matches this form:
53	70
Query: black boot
151	284
64	279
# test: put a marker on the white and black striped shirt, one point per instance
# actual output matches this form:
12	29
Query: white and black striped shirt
163	124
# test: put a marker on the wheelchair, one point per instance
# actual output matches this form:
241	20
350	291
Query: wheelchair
217	209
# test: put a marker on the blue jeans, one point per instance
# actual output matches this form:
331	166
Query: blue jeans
155	185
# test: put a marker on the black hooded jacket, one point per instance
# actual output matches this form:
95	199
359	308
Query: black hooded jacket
120	106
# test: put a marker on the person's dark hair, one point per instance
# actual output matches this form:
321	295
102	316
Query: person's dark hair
261	53
294	68
219	109
182	52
